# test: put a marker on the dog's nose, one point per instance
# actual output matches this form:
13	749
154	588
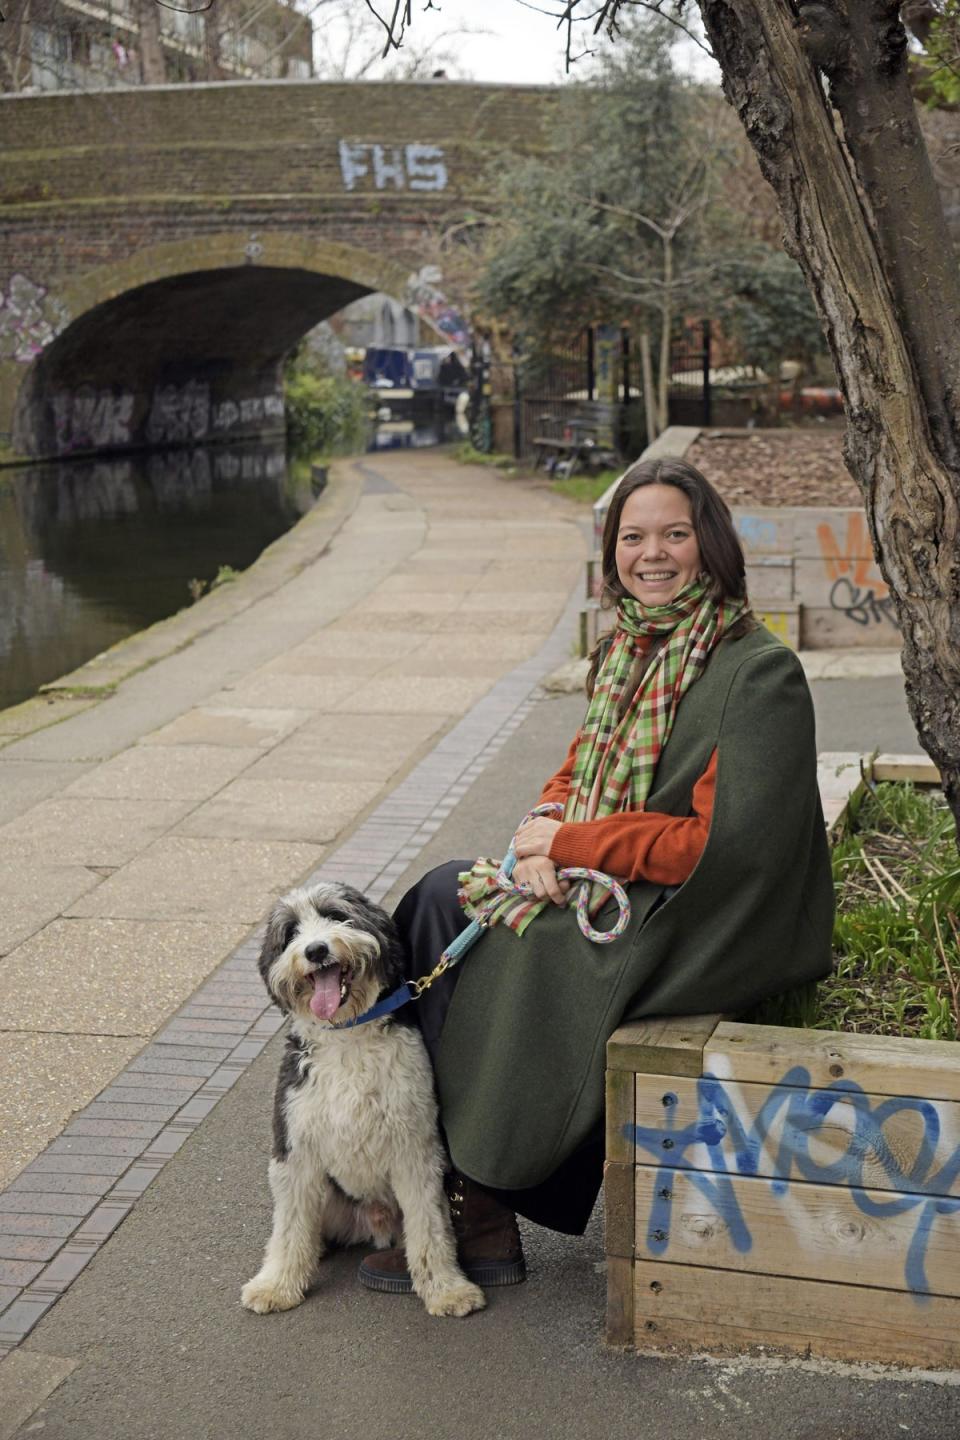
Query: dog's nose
316	951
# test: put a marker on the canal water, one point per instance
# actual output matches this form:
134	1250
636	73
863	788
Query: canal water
91	551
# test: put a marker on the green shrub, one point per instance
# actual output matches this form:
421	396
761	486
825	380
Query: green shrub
324	412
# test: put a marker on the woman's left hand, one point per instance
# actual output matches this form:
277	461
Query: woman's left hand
535	836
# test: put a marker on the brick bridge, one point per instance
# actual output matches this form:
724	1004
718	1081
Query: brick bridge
162	248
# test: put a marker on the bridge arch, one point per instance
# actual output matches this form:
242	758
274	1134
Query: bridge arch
184	341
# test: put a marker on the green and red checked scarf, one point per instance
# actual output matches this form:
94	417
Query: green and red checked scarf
617	755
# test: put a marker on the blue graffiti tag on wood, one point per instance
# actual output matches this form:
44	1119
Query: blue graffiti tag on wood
724	1133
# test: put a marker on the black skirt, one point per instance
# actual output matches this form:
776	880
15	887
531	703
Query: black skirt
429	918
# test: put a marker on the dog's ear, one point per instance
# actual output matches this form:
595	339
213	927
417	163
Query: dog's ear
376	921
281	923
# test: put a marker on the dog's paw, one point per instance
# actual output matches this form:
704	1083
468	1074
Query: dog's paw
458	1300
263	1295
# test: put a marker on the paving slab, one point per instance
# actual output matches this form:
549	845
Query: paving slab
26	782
32	894
180	877
109	976
228	726
413	693
146	772
282	809
44	1079
346	744
88	831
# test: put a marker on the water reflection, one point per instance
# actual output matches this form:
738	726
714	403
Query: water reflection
406	434
91	551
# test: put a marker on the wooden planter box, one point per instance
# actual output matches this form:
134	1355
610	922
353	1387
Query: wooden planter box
791	1190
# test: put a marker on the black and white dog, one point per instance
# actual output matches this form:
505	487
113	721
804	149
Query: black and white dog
356	1153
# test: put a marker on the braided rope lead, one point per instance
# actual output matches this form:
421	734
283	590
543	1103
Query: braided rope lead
506	884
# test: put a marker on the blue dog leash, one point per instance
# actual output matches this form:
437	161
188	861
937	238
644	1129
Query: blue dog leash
455	951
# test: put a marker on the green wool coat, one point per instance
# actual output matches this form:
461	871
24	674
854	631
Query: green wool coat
520	1070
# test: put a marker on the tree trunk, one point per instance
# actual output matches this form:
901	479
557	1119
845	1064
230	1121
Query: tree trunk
666	332
649	399
863	217
153	69
16	70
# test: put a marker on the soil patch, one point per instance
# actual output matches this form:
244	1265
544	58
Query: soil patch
777	467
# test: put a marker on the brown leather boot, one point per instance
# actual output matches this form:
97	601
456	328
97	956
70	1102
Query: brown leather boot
488	1243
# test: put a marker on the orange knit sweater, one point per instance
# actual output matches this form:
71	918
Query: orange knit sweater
634	844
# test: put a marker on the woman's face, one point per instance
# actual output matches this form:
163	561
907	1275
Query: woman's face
657	548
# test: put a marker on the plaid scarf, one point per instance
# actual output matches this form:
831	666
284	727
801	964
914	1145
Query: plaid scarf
617	755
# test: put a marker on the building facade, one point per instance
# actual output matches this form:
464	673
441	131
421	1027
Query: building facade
93	44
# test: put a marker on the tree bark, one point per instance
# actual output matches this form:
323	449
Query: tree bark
16	70
153	68
823	94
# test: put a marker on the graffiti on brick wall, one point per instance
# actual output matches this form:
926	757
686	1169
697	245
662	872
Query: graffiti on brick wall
246	412
426	296
30	317
91	419
392	167
180	413
926	1184
857	592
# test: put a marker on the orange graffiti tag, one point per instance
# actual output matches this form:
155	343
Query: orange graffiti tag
855	557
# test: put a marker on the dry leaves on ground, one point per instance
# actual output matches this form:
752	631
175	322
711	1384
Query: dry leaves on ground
777	467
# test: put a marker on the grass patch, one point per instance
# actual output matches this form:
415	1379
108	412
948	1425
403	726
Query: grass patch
586	488
467	455
896	937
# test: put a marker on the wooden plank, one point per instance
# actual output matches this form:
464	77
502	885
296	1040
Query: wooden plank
619	1209
782	620
832	535
845	586
879	1064
764	531
692	1308
828	628
620	1102
668	1045
769	577
814	1232
620	1288
918	768
792	1132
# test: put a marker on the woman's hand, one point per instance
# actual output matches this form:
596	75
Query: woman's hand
535	836
540	873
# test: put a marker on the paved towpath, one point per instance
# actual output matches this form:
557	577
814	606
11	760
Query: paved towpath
362	669
146	834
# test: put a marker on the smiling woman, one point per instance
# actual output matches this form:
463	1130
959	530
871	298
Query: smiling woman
692	781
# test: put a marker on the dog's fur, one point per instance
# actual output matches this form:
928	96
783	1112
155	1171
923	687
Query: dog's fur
356	1151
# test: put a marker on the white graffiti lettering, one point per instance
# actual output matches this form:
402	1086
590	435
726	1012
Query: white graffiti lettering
256	407
29	319
400	167
179	412
88	419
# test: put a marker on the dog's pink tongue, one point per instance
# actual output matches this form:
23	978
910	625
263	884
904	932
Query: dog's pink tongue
325	999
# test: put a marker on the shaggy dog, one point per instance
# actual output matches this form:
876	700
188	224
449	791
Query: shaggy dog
356	1154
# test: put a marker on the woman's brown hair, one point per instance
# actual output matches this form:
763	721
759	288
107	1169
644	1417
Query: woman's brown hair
721	553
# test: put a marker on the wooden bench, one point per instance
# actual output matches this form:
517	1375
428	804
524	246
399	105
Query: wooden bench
784	1190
